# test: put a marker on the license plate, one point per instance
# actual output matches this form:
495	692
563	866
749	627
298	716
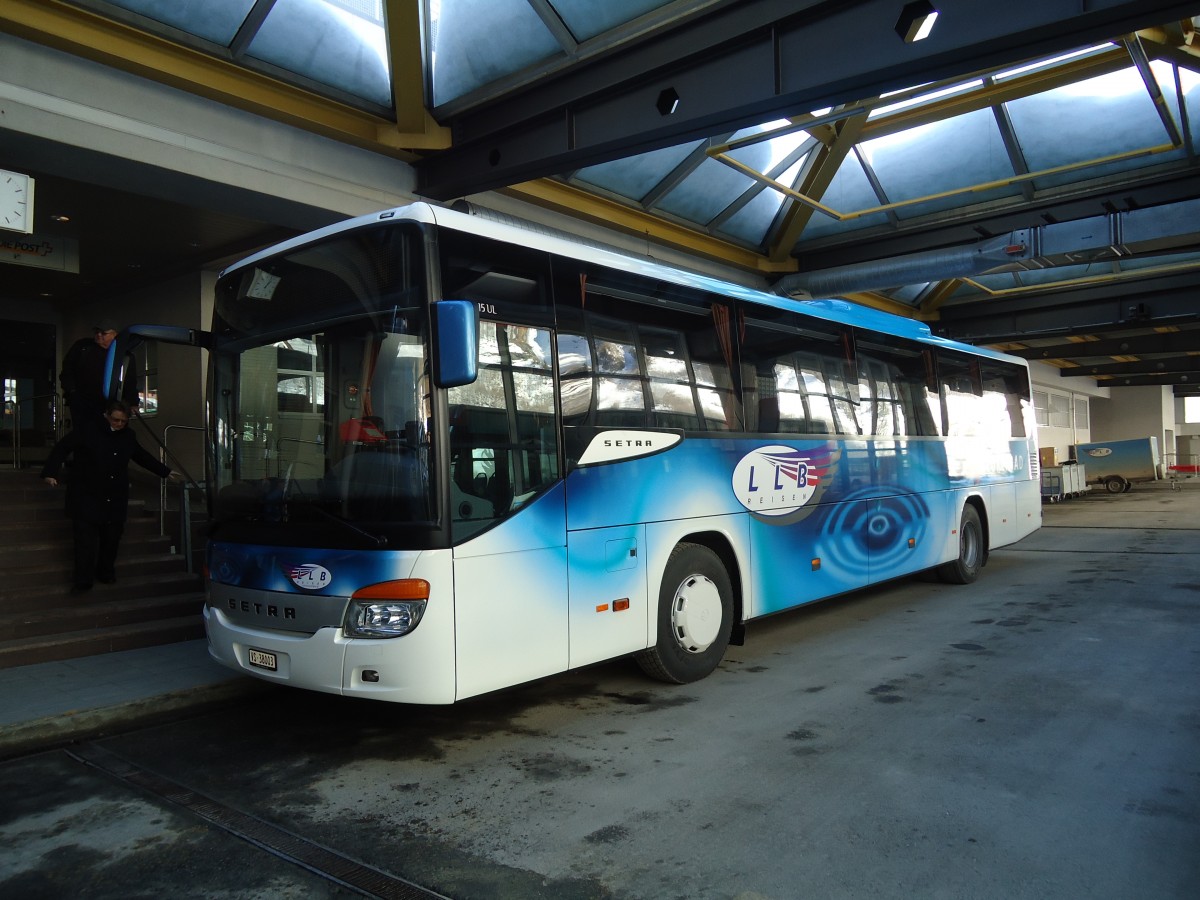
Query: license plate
264	660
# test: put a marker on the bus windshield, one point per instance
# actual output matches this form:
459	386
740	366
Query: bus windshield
321	394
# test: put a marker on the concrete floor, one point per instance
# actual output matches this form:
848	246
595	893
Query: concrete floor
1034	735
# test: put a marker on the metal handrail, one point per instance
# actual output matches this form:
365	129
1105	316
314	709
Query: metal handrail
16	438
286	440
162	487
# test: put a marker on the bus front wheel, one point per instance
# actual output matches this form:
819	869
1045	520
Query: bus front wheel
695	617
966	568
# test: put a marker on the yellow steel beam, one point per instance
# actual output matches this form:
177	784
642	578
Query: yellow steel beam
838	143
1086	281
590	207
1025	85
932	304
879	301
1034	82
407	60
940	195
91	36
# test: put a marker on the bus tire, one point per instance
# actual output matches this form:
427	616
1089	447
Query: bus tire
1114	484
966	568
695	617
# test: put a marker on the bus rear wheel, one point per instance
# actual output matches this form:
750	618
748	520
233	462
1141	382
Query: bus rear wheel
966	568
695	617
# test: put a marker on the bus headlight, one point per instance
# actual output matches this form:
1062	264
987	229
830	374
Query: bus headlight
388	609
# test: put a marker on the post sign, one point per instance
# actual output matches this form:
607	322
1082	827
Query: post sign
59	253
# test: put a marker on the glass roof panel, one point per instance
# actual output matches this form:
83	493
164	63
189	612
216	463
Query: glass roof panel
213	20
768	154
476	42
1095	118
704	193
908	293
850	190
753	221
635	176
329	43
923	99
1053	61
714	185
1164	74
588	18
941	156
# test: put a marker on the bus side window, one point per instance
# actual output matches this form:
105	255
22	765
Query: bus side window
657	355
893	374
503	439
575	377
1003	389
797	379
982	398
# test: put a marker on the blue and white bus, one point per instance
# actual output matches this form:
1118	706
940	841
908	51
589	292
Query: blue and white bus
451	454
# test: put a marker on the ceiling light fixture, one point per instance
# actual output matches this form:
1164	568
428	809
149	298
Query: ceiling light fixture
59	217
916	21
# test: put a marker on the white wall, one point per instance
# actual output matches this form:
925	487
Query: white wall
1136	412
1047	379
78	103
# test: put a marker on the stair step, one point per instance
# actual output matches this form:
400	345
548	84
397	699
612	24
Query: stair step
46	596
53	566
155	600
75	644
102	612
55	503
58	526
14	556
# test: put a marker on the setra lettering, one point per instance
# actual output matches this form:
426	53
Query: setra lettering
270	610
628	443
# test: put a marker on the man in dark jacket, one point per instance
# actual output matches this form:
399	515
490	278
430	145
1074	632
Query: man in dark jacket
98	490
82	374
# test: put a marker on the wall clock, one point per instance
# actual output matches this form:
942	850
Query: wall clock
16	202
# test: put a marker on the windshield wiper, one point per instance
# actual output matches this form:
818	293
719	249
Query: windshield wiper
377	540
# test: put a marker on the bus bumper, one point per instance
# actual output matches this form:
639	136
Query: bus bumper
416	668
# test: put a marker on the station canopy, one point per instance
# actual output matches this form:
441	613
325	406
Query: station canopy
1055	177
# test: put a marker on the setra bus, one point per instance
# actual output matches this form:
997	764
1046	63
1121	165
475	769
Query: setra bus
450	454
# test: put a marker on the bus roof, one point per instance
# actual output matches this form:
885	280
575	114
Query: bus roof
529	234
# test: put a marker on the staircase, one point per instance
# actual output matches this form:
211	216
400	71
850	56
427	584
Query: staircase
155	600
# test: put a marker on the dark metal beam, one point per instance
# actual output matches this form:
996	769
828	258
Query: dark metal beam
1118	306
1143	380
1171	365
747	62
1132	345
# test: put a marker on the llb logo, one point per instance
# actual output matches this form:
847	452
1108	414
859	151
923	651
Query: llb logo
776	481
310	577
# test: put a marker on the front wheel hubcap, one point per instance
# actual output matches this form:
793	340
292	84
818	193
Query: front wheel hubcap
696	613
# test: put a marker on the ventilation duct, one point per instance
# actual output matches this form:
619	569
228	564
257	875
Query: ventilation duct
1140	232
916	268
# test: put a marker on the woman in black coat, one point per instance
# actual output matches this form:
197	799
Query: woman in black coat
98	490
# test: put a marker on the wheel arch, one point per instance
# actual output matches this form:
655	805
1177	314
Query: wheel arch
977	501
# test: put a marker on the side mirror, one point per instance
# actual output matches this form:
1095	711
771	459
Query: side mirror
133	337
455	343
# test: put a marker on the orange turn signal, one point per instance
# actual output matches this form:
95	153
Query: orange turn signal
401	589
